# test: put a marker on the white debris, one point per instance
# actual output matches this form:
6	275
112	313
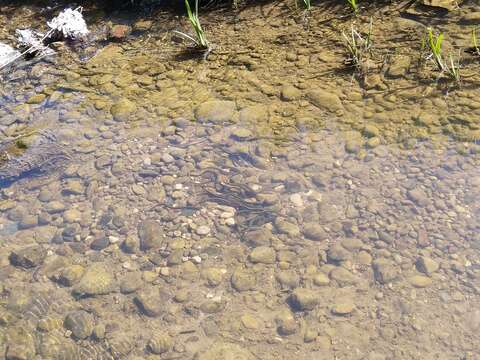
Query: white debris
29	38
33	42
70	23
7	54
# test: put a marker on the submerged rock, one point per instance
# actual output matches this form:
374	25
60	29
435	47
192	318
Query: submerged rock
98	279
29	257
151	235
215	111
160	343
80	323
123	109
304	299
324	99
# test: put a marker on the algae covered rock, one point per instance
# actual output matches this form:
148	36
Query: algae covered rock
80	323
122	109
97	279
215	111
28	257
150	234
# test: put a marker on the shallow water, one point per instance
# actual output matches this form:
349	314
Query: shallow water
261	204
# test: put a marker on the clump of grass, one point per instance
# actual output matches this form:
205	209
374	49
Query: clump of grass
200	39
450	68
359	48
475	47
307	4
353	5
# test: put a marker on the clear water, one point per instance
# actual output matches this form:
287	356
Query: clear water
236	208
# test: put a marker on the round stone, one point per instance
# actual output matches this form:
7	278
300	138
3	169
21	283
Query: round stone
203	230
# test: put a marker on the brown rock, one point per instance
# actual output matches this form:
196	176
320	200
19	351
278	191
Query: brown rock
119	32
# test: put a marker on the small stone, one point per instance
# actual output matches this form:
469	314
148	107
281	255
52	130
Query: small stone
399	67
142	25
286	227
99	331
420	281
250	321
167	158
384	271
263	255
471	18
337	253
353	146
296	200
215	111
214	276
351	244
160	343
182	295
203	230
343	308
288	279
131	282
310	334
131	244
55	207
426	265
243	280
73	187
28	222
321	279
371	131
150	234
28	257
123	109
72	215
241	134
418	196
36	99
212	306
304	299
290	93
373	142
97	280
80	323
314	231
149	302
343	277
325	100
364	258
71	275
99	243
119	32
286	324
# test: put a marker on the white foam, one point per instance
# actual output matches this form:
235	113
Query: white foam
70	23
